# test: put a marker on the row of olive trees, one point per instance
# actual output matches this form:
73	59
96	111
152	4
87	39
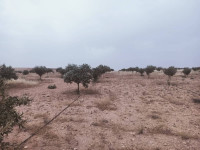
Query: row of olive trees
83	74
150	69
41	70
171	71
9	117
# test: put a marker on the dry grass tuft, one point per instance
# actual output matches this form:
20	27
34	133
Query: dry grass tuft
140	130
115	128
186	136
43	116
21	83
162	129
106	104
90	91
45	132
74	119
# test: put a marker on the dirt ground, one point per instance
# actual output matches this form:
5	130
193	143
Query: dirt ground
123	111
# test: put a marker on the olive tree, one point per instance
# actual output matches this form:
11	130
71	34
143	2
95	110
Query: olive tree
40	70
159	68
99	70
25	72
78	74
186	71
141	71
61	71
171	71
149	70
196	68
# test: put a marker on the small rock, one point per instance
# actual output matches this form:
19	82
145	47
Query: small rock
25	147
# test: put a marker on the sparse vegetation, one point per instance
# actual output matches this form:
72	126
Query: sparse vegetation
124	115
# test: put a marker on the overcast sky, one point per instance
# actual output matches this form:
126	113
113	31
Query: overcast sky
118	33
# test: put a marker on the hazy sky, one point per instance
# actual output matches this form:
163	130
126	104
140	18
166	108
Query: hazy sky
118	33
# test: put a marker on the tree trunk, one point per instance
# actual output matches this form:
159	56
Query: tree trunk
168	81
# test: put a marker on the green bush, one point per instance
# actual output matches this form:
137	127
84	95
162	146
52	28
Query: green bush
52	86
7	72
9	117
25	72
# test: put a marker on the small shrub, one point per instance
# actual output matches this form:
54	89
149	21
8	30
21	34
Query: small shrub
7	72
52	86
186	71
25	72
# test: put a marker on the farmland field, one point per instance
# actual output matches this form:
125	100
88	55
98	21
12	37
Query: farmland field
122	111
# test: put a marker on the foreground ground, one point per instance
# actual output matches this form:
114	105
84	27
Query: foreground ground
123	111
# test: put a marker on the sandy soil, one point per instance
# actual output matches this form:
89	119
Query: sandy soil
123	111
